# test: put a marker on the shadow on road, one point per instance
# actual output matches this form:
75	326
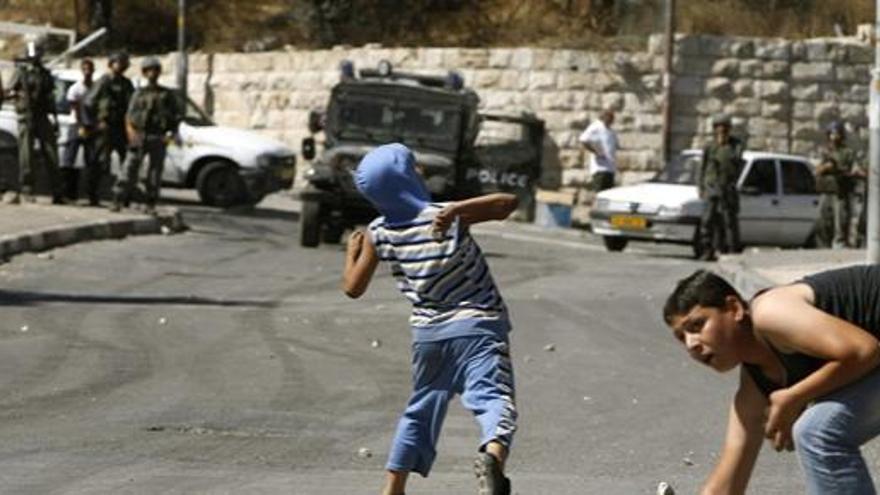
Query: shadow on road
27	298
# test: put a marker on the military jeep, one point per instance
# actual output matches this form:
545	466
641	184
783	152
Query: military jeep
459	152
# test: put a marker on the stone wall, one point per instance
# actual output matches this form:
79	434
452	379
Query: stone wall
780	92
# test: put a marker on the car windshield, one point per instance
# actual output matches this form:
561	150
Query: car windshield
384	120
195	116
680	170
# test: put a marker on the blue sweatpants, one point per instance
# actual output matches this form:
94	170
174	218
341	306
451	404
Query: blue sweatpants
477	368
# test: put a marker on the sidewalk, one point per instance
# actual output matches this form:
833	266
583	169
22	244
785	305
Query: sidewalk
40	226
760	268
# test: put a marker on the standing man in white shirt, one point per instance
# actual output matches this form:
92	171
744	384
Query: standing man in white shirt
82	135
600	140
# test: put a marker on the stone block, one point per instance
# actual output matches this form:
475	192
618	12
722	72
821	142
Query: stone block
710	106
804	147
657	44
688	86
433	58
777	111
719	87
773	90
751	69
603	81
859	54
803	110
744	88
857	93
644	122
741	48
767	127
522	58
726	67
484	79
573	80
613	101
640	62
653	82
805	91
541	58
587	61
542	81
776	69
744	107
772	49
514	80
807	131
562	60
557	100
636	141
494	100
853	73
816	50
472	58
830	92
812	71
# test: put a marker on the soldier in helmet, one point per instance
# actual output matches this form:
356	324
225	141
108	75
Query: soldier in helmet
720	167
152	119
836	179
107	104
32	87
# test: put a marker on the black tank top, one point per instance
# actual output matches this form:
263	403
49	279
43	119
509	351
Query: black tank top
851	294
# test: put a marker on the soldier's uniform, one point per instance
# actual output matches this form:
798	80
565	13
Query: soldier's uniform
154	113
109	100
34	88
719	170
837	187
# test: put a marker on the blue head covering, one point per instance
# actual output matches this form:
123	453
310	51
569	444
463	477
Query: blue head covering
387	177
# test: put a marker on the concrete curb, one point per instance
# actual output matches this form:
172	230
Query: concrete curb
166	221
745	280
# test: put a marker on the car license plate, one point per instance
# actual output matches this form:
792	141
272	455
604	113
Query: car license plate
286	173
629	222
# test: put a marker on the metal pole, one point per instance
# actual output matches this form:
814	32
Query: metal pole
182	62
667	80
873	201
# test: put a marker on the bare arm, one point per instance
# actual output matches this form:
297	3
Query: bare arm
360	264
497	206
787	318
742	442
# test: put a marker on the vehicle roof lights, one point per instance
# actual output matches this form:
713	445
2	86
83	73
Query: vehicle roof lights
385	68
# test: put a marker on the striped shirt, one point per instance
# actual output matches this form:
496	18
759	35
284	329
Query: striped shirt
447	279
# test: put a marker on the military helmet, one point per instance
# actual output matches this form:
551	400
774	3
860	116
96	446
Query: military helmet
120	57
836	127
721	119
150	63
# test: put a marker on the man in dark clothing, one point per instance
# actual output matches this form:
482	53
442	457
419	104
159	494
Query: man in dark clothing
809	379
836	180
719	170
32	87
107	104
152	119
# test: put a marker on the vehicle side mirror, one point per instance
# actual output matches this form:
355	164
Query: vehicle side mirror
316	121
750	191
308	148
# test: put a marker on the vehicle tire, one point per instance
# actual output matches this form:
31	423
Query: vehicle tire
332	234
310	224
812	241
219	184
615	243
696	245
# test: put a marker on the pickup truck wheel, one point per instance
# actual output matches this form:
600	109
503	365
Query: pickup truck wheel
615	243
310	224
219	184
332	234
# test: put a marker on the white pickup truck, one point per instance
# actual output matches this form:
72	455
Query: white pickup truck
227	166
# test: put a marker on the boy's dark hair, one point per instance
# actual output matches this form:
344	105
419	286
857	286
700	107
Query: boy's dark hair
702	288
87	61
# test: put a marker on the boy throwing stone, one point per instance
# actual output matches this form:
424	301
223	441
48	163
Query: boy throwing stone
459	321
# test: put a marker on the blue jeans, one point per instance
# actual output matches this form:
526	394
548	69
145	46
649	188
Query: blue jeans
477	368
828	436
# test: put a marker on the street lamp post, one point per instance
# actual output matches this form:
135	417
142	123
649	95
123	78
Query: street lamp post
182	62
872	202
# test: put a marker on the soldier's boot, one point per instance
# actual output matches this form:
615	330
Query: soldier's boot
27	195
12	198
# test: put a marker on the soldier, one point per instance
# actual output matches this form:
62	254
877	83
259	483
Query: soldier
106	104
721	165
836	179
32	87
153	117
82	135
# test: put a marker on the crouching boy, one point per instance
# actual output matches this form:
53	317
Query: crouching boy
809	379
459	321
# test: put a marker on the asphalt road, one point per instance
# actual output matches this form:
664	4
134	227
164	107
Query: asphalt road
225	360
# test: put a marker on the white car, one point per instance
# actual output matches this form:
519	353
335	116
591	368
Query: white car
227	166
779	205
